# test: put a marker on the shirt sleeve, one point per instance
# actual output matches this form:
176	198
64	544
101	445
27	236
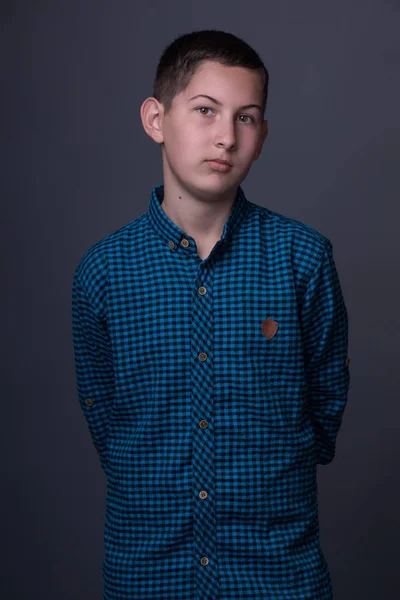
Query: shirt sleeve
93	366
324	323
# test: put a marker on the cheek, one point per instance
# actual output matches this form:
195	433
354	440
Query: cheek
250	145
175	143
183	150
189	142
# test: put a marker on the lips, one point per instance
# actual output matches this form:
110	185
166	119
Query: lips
221	166
218	160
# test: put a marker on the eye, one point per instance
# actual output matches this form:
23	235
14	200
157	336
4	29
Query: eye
250	121
203	108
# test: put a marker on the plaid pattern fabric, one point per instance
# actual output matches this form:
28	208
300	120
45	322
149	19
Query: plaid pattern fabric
212	389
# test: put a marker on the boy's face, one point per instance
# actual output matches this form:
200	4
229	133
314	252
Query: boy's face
198	130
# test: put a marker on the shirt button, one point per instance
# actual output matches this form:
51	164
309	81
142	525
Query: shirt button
203	494
185	243
203	424
347	361
202	290
171	244
204	560
88	402
203	356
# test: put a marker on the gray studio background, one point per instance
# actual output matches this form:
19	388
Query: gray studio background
77	165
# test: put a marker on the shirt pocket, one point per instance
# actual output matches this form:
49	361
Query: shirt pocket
274	367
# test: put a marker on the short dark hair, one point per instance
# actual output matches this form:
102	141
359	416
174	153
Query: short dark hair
179	61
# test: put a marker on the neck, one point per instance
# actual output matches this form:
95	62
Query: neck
202	216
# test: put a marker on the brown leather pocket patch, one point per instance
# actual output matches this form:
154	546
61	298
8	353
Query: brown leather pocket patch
269	327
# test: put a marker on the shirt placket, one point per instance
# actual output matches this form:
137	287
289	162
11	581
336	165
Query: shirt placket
202	410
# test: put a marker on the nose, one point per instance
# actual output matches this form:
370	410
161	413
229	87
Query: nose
226	135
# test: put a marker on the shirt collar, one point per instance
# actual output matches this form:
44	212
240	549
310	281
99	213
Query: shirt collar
173	235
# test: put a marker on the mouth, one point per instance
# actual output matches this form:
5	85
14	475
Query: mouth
218	160
219	165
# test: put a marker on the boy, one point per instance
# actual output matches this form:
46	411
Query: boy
210	339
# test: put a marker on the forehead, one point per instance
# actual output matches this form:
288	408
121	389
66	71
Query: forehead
221	81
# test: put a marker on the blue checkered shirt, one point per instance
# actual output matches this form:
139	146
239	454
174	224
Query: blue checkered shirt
212	388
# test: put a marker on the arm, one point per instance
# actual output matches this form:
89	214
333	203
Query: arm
324	326
93	364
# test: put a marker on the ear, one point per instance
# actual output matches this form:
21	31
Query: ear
152	113
263	137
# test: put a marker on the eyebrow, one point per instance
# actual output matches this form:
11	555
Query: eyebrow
220	103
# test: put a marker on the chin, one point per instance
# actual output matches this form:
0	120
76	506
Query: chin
216	185
219	180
